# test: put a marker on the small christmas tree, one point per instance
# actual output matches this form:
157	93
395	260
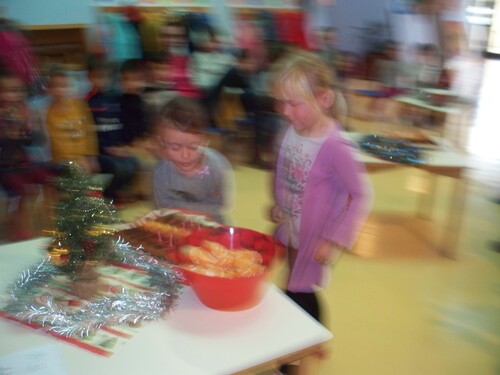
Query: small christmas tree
83	234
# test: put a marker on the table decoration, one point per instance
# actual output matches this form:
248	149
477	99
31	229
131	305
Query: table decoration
72	292
395	150
35	297
83	219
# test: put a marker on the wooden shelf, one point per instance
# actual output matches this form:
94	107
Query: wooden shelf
58	43
54	27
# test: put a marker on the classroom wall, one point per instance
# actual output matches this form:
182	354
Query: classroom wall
345	15
42	12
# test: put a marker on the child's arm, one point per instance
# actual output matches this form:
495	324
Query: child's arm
120	151
40	136
90	164
92	149
344	229
228	187
89	128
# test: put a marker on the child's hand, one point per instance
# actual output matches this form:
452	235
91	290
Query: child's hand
118	151
150	146
17	132
90	164
277	215
328	252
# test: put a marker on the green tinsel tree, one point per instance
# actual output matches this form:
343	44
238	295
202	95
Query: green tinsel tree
82	221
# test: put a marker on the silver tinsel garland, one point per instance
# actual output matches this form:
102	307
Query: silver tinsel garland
28	305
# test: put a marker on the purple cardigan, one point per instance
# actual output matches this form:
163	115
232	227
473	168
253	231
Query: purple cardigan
337	200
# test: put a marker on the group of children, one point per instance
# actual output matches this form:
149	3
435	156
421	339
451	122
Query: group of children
105	132
321	192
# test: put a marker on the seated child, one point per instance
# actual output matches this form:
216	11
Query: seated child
136	123
191	176
174	41
133	114
70	125
113	157
209	62
17	171
158	90
259	107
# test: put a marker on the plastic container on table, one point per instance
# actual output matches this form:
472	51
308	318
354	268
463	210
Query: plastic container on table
232	293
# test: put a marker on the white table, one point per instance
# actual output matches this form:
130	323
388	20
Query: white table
421	103
442	160
438	114
193	340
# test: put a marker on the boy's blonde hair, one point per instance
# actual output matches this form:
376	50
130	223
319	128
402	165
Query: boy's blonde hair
303	74
184	114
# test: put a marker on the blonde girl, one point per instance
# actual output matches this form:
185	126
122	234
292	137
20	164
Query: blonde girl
321	191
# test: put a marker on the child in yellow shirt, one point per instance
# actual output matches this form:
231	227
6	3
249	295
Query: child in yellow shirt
70	125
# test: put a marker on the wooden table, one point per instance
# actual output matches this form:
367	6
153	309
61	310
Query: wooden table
442	160
193	340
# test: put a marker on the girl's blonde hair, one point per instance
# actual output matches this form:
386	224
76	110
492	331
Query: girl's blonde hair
303	74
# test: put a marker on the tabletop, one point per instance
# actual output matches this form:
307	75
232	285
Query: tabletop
441	158
419	102
192	340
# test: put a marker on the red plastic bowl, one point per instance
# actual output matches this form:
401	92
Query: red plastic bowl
227	294
232	293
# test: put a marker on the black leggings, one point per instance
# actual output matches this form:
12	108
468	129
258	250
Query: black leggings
308	301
